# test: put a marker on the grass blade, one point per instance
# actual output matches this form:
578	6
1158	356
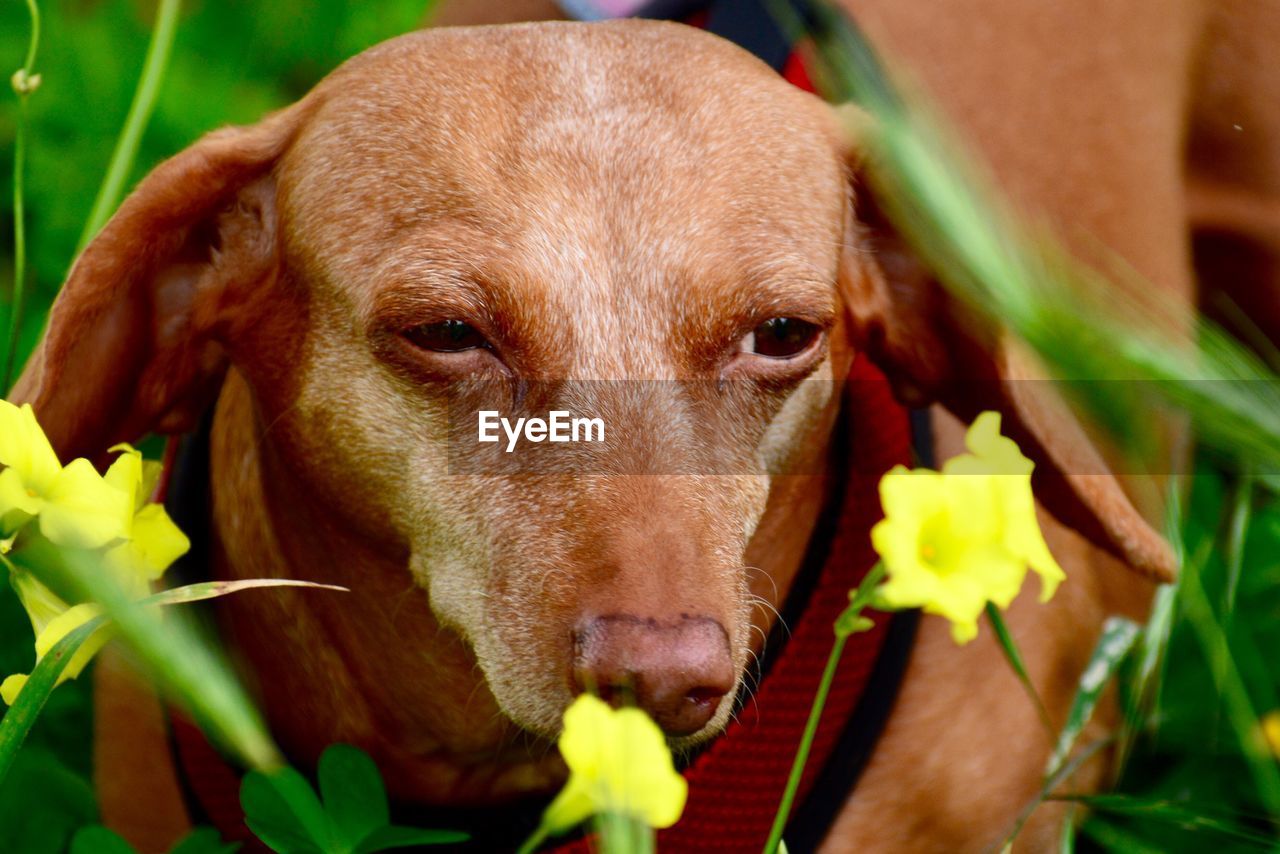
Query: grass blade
1014	658
144	102
1118	636
17	722
213	589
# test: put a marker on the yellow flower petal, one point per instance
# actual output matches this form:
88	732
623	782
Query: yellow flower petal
571	807
618	763
158	540
41	603
11	686
125	474
17	504
999	453
82	510
25	448
63	625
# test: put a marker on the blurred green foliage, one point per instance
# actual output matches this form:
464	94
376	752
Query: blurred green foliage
234	60
1189	756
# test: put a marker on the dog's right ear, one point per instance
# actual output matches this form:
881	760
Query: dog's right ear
935	349
132	342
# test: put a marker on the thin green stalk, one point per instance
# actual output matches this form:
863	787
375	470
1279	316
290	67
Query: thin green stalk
535	840
622	834
1046	789
144	102
1014	657
25	81
850	622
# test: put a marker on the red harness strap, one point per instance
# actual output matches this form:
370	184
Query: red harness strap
736	783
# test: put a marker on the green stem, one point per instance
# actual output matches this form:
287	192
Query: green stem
1014	657
144	102
534	841
1063	773
23	84
846	624
621	834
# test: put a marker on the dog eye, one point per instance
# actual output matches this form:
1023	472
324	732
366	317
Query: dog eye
780	337
449	336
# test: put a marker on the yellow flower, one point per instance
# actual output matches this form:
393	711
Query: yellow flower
75	506
1271	731
951	541
618	763
144	543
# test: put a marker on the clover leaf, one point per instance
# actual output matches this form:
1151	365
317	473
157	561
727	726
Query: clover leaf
350	816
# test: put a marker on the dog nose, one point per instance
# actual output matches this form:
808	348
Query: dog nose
677	672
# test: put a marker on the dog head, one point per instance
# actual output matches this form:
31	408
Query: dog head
635	222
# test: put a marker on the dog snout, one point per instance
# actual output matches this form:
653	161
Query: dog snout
677	671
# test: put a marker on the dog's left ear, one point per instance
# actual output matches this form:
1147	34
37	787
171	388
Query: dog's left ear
934	349
133	339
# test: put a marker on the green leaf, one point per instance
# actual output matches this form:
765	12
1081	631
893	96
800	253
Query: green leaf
386	838
43	803
353	795
1014	658
97	839
851	622
35	693
1118	636
204	840
1007	644
283	811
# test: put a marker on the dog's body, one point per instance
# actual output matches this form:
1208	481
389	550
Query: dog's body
562	189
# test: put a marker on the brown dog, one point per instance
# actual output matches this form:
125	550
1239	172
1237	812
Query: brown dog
561	191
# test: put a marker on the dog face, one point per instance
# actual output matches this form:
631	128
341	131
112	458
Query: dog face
635	222
582	241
